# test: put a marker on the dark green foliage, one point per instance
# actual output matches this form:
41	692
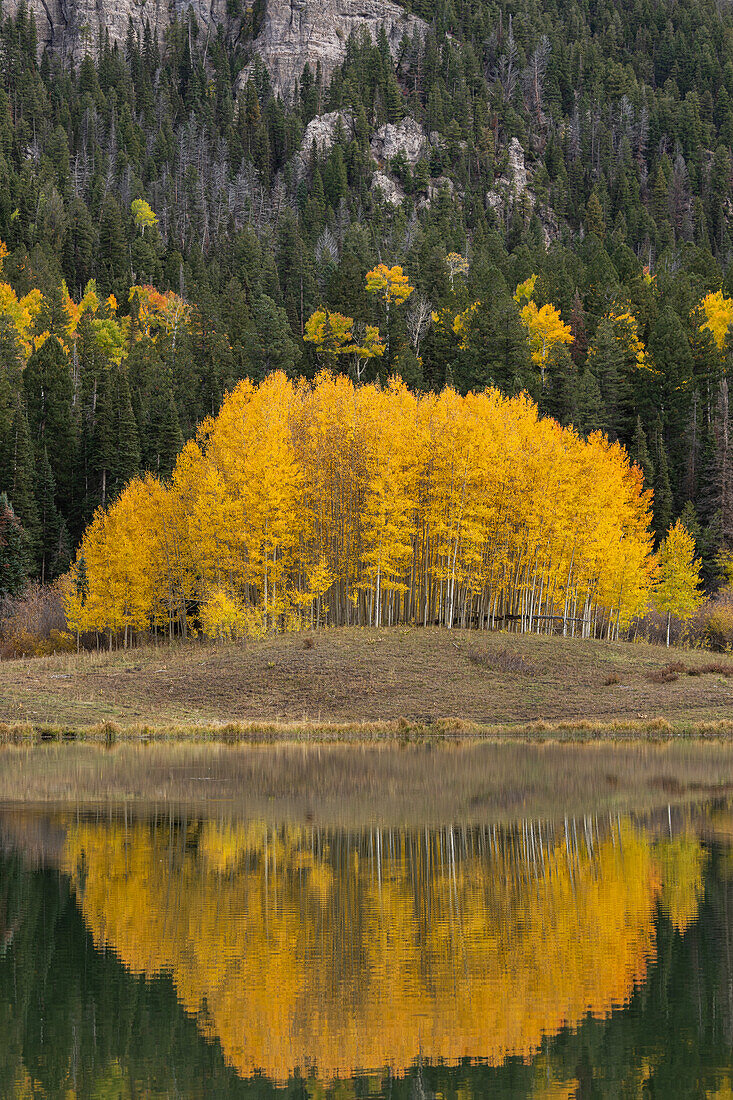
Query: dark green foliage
663	504
49	521
639	453
49	395
626	133
13	559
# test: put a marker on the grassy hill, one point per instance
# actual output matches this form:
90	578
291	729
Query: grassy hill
369	682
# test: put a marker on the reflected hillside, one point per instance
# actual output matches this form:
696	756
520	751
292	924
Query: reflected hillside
334	952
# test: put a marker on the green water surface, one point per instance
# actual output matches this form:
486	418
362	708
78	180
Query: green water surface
174	956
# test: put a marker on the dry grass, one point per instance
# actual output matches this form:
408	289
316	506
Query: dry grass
357	786
349	677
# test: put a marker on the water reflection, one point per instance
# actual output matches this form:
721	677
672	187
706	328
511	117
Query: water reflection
333	953
468	961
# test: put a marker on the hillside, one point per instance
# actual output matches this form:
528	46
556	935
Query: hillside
182	192
350	676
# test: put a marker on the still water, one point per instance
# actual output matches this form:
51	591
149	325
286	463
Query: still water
166	955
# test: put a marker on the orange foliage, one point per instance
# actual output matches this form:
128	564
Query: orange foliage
296	949
430	508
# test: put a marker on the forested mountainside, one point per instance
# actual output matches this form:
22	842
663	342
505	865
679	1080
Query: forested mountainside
175	209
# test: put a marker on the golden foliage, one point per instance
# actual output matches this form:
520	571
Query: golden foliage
389	283
369	505
546	331
22	313
718	312
296	949
682	862
678	587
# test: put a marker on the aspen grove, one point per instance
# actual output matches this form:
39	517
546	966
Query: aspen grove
315	503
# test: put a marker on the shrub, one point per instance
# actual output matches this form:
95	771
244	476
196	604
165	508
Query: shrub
33	624
712	624
662	676
501	660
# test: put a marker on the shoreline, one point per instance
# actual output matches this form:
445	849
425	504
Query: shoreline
453	731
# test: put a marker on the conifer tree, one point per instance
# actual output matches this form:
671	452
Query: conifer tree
640	454
102	442
20	469
126	453
49	522
48	394
169	439
662	514
12	550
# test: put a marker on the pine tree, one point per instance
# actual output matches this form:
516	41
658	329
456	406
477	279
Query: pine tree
662	512
126	453
169	439
102	443
49	523
112	250
21	477
594	217
640	454
606	361
12	550
49	394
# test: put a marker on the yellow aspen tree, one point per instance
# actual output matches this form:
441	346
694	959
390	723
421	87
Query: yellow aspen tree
678	588
525	290
390	285
326	501
718	312
546	331
330	333
143	214
22	314
368	344
457	265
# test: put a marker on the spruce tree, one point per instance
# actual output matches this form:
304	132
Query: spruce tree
126	452
662	511
640	454
169	439
49	394
102	444
12	550
49	522
605	359
21	474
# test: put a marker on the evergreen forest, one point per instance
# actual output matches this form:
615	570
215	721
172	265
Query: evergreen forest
169	231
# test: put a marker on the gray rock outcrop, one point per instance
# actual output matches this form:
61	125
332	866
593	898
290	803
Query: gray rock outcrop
390	190
292	33
301	31
515	184
73	28
407	138
322	130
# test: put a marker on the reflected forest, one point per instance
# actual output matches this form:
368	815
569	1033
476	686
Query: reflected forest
175	956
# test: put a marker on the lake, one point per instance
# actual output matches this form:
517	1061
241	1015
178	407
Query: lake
161	952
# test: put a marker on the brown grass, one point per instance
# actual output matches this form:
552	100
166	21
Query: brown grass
352	679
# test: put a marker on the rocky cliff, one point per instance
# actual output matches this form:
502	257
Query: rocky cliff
292	32
72	28
298	31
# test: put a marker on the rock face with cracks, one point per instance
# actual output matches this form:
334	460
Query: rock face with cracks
292	32
314	31
406	138
73	28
